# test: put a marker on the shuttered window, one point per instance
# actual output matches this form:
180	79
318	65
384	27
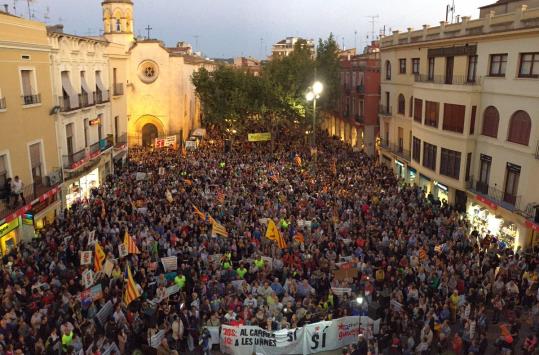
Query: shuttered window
491	120
520	127
454	118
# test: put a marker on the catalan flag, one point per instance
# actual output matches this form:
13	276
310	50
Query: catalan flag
217	228
131	291
299	238
130	244
297	160
220	196
98	258
199	213
273	233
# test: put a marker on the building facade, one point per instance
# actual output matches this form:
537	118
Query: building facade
160	99
28	136
84	127
284	47
460	118
356	121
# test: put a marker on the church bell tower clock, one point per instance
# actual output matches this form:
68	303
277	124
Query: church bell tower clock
118	21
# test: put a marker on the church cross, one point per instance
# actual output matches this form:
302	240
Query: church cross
148	29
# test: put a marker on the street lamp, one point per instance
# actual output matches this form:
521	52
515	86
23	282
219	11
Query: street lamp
312	95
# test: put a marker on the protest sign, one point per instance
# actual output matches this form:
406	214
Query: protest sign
122	250
105	312
91	238
340	291
170	263
88	278
85	257
107	268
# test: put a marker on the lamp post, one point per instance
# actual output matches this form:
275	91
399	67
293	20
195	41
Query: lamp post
312	95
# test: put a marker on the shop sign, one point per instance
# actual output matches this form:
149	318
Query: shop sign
486	201
94	122
8	227
532	225
259	137
441	186
28	219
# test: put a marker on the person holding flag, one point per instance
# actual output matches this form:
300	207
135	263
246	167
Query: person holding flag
130	244
273	233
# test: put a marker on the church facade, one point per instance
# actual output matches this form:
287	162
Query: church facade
155	81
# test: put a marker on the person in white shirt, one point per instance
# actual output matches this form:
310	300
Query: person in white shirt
16	190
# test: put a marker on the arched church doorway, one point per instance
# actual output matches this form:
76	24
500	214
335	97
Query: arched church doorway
149	133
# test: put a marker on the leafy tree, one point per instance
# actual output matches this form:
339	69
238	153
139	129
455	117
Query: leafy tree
328	72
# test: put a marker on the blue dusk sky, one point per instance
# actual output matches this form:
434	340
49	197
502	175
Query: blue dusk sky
230	28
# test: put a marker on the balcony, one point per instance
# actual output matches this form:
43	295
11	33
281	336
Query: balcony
400	151
101	97
506	200
31	99
39	189
384	110
74	160
444	80
106	143
84	100
118	89
3	103
65	104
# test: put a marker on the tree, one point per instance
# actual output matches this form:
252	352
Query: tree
328	72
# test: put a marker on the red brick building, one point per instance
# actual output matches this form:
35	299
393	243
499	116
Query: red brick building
356	121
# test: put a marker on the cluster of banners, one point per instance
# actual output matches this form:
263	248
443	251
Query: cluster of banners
169	141
310	339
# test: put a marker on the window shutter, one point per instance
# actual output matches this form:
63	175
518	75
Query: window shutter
35	154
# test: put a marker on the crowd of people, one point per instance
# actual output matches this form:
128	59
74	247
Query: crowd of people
436	284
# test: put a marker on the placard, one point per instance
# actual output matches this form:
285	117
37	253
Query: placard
122	250
107	268
259	137
170	263
85	257
88	278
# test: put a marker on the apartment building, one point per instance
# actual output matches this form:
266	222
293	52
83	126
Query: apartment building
460	117
27	137
284	47
80	85
356	121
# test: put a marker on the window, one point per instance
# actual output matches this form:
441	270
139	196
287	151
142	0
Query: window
512	175
416	149
484	174
35	162
116	129
429	156
529	65
472	68
69	138
388	70
454	118
361	107
418	110
386	132
402	66
431	68
415	65
402	104
520	127
472	121
468	166
100	127
450	163
411	108
498	63
86	138
401	139
118	25
26	79
432	110
491	120
3	170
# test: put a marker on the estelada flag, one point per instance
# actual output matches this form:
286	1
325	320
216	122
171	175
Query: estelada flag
217	228
297	160
130	244
99	257
273	233
131	291
299	238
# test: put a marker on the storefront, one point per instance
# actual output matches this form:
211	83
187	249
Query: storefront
424	183
440	191
412	174
487	218
9	235
401	169
81	188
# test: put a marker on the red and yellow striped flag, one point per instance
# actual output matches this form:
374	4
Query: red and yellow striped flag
130	244
217	228
131	291
220	195
99	257
273	233
299	238
199	213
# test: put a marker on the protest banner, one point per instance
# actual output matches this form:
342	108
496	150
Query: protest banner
85	257
171	290
340	291
310	339
214	335
259	137
170	263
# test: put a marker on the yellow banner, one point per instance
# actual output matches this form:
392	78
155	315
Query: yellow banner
259	137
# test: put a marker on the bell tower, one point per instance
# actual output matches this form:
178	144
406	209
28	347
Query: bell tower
118	21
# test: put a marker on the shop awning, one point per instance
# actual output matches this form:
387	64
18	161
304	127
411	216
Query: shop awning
86	88
68	88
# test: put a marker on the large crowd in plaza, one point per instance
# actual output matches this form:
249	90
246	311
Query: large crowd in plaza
437	284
